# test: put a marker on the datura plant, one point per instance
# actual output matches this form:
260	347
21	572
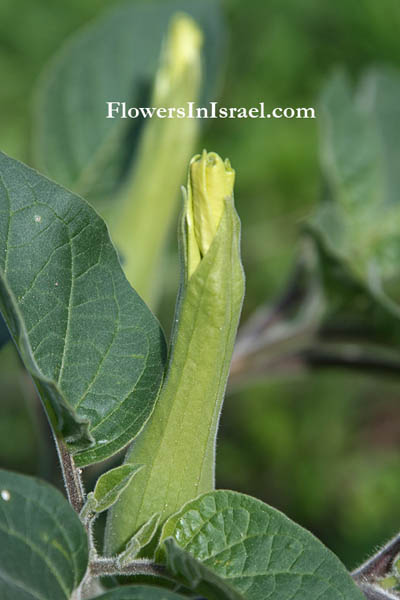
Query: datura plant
106	378
109	381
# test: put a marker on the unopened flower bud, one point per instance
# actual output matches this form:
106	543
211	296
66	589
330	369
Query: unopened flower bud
180	54
211	181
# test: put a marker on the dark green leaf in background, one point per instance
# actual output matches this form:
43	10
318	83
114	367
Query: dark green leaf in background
355	323
43	545
112	60
256	550
93	347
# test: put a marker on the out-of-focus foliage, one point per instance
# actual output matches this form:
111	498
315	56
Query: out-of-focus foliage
323	448
139	54
359	221
113	60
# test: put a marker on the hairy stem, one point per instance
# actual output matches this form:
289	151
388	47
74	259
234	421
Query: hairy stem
71	475
109	566
380	564
372	592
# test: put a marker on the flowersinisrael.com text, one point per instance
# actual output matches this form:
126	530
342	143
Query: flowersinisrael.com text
120	110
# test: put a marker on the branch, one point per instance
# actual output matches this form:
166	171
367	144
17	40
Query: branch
109	566
373	592
310	357
318	357
291	335
380	564
260	331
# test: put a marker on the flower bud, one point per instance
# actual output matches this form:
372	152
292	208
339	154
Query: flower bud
181	54
206	319
211	181
149	198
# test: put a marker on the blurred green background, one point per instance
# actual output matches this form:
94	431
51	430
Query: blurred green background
322	446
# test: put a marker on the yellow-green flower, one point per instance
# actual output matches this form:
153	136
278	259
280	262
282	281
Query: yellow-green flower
181	54
210	183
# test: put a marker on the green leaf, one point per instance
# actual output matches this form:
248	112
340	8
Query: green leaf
111	484
112	60
139	540
257	550
140	592
196	575
94	349
43	545
359	221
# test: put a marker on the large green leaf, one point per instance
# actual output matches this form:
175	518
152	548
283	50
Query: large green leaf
93	347
359	221
257	550
112	60
140	592
43	545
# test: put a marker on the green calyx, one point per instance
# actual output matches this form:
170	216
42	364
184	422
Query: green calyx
177	446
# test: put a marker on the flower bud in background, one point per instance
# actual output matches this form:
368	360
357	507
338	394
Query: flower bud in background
210	182
180	55
140	228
